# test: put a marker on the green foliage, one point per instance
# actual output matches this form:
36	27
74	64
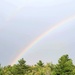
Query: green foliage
40	63
1	70
64	67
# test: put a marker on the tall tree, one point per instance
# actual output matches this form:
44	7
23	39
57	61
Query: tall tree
64	66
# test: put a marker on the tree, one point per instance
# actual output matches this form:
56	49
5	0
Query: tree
20	68
22	62
40	63
64	66
1	70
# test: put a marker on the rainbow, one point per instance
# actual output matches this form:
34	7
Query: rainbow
55	26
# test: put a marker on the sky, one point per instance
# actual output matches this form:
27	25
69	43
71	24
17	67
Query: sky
21	21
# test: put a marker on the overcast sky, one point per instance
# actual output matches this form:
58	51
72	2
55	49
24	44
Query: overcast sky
21	21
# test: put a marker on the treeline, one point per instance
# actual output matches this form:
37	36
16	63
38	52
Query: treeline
65	66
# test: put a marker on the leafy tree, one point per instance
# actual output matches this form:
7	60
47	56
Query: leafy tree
40	63
20	68
1	70
22	62
64	66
